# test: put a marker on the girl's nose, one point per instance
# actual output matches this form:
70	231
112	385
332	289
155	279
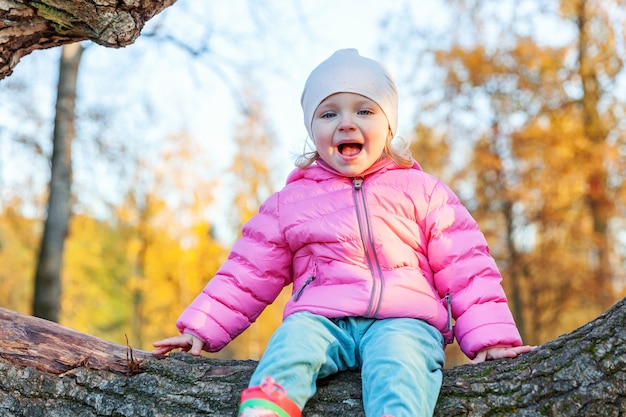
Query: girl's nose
346	123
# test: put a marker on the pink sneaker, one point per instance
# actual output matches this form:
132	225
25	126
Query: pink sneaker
267	400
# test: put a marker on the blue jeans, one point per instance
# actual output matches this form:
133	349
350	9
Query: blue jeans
400	360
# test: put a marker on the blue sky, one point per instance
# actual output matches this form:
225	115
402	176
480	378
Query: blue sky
292	39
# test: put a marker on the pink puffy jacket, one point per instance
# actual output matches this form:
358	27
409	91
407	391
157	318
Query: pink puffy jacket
394	243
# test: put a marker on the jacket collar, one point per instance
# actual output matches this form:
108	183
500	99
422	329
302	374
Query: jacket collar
321	171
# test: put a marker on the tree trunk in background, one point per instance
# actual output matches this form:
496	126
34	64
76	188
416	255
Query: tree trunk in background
47	299
49	370
598	200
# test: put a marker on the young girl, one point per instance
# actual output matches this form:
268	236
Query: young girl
382	258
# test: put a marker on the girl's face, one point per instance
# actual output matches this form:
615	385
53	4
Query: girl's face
350	132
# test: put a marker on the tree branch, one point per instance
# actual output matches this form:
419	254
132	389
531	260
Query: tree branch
47	368
27	25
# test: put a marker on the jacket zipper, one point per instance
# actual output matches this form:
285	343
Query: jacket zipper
369	247
449	308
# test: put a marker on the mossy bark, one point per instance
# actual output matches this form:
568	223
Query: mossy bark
27	25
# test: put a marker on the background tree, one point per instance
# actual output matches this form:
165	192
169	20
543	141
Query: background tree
47	282
529	121
139	259
47	298
29	26
251	180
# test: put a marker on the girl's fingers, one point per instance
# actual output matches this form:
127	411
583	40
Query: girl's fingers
186	343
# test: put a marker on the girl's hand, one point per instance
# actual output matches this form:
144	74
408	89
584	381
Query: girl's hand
493	353
186	342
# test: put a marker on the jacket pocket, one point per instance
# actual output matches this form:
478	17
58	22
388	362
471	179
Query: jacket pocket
298	293
313	268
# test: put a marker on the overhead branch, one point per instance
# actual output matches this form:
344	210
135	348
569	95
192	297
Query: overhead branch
26	25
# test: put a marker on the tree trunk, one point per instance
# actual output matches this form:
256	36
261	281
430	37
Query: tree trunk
599	200
47	298
49	370
27	25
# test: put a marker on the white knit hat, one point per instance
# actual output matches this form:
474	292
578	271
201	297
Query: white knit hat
348	72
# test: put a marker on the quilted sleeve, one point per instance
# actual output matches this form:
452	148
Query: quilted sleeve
257	269
463	266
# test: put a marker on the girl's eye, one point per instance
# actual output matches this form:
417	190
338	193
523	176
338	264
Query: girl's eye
365	112
328	115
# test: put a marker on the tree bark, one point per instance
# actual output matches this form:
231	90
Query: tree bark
27	25
49	370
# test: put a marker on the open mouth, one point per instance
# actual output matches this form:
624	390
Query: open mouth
350	148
